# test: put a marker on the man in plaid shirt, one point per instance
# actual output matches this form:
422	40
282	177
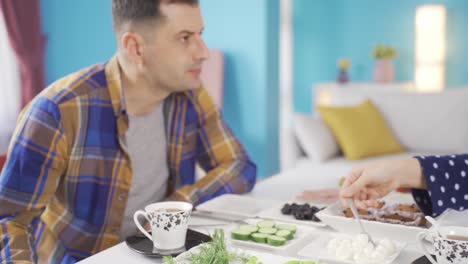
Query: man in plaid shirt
102	142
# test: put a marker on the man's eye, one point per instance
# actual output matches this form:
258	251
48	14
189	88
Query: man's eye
184	39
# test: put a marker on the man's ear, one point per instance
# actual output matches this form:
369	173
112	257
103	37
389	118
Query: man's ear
133	44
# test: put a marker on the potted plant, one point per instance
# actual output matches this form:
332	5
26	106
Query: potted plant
383	67
343	65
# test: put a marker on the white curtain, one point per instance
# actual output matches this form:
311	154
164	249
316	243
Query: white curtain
9	88
289	150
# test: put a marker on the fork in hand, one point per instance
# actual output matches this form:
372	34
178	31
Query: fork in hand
358	218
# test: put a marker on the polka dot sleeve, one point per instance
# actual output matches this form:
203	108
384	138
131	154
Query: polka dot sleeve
447	184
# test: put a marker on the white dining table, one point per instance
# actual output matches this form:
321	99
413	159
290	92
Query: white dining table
280	188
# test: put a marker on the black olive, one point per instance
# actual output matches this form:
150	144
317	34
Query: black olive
294	206
299	215
287	210
314	209
308	215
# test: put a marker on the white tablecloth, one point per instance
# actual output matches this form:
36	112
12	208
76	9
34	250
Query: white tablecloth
282	188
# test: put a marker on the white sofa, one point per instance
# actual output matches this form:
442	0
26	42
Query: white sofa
424	123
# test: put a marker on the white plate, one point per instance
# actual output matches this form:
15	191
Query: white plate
236	205
300	234
333	216
451	217
275	214
261	256
318	249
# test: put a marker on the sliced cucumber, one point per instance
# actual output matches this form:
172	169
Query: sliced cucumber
285	233
276	240
290	228
259	237
240	234
249	228
267	230
266	223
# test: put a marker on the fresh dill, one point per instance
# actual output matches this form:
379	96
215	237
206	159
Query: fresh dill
215	252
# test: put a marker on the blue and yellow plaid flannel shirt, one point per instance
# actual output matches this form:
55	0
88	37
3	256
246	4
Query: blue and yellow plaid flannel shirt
64	187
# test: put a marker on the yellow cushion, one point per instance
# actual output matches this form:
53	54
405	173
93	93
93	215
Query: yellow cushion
360	130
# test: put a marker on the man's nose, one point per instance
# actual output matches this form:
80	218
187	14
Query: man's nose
202	52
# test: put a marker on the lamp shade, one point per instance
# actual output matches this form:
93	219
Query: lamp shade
430	25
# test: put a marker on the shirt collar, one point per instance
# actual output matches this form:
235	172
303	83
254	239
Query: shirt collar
114	85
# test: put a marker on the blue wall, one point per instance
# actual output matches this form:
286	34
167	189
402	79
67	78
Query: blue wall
247	31
80	33
324	31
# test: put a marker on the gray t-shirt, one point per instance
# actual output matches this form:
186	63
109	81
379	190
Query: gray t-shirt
146	144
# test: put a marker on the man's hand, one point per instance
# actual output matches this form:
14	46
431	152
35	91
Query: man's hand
368	183
146	226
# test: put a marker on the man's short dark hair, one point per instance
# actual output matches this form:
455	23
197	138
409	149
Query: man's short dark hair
124	11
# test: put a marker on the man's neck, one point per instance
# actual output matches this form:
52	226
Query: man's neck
140	96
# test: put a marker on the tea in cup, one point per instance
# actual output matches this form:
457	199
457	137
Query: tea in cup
168	221
450	244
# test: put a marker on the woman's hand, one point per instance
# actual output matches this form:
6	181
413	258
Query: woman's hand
368	183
